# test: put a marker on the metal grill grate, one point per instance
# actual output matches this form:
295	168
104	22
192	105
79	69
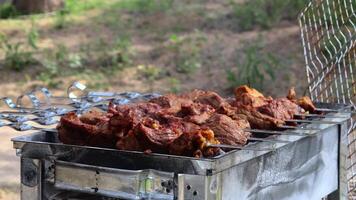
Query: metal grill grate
328	30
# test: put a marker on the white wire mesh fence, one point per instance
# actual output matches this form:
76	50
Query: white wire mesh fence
328	30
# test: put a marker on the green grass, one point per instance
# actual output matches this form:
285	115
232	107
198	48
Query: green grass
78	6
266	13
256	67
17	57
187	51
7	11
145	6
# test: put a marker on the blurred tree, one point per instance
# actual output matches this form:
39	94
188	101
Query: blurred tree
37	6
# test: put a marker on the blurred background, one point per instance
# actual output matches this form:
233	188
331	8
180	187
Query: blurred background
145	45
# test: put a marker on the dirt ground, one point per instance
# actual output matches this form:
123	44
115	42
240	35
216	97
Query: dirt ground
9	165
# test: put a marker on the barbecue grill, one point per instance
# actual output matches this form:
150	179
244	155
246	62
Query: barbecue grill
307	161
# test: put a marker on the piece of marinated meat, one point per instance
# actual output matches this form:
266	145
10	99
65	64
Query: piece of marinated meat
128	116
281	108
95	116
156	135
305	102
196	113
171	103
206	97
264	112
195	144
71	130
256	119
250	96
227	130
129	142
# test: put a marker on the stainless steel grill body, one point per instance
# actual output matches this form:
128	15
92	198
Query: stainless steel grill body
308	167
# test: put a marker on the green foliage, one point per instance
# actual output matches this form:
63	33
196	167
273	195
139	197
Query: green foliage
266	13
253	71
33	35
60	54
175	85
108	56
115	55
7	10
16	57
51	71
145	6
187	52
150	72
77	6
75	61
61	19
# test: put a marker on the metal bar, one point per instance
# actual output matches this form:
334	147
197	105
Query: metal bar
277	132
353	153
342	110
351	166
267	140
238	147
319	116
311	121
299	128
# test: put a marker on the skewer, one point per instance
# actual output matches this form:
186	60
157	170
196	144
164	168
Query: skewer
311	121
238	147
299	128
336	110
319	116
276	132
267	140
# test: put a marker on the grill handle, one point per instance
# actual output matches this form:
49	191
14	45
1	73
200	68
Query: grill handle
112	182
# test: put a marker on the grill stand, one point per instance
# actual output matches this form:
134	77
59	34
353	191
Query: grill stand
303	169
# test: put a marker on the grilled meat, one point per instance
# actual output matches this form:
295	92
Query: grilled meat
182	124
77	131
250	96
266	112
195	143
227	130
305	102
256	119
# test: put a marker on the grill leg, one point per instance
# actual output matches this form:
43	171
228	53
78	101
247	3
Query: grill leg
30	179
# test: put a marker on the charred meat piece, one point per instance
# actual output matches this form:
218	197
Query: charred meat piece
227	130
157	134
171	103
256	119
128	116
206	97
195	144
72	130
129	142
265	112
282	109
250	96
196	113
305	102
